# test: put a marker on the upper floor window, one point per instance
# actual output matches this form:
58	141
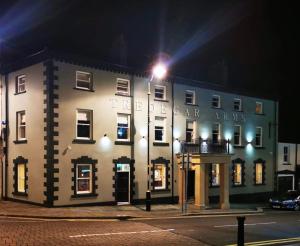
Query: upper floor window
216	101
237	135
215	175
258	137
123	132
189	97
259	108
216	133
84	80
190	131
84	124
20	84
123	87
237	104
21	126
160	92
285	154
160	131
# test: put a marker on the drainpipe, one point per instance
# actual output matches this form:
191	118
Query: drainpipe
296	173
6	136
275	144
132	134
172	142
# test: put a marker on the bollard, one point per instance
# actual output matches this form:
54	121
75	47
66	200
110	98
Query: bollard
240	236
148	200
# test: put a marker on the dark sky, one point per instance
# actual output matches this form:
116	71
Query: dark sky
248	45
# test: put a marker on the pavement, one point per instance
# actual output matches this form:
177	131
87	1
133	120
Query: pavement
123	212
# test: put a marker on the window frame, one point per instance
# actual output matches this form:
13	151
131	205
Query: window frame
20	160
286	154
240	104
90	81
240	135
219	101
18	125
261	107
219	133
165	178
161	161
90	178
18	78
122	93
217	184
128	127
164	134
193	131
193	93
263	171
164	92
91	124
261	136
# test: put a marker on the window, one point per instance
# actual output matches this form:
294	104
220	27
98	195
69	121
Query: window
83	178
160	135
258	173
21	178
20	84
258	137
259	108
160	92
215	175
237	104
84	124
285	154
83	80
123	132
216	101
123	86
237	135
237	174
190	131
190	97
160	176
21	126
216	133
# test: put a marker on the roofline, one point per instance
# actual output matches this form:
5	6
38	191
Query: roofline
46	54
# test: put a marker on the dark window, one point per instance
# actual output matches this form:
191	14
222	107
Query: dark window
258	137
20	84
237	135
190	131
216	133
83	80
84	123
190	97
160	129
286	154
159	92
216	101
123	127
123	87
237	104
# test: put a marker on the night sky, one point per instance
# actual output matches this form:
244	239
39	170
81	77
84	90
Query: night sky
246	45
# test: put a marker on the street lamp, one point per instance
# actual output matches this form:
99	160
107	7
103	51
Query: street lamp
159	71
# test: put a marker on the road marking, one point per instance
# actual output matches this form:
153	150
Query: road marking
120	233
271	242
253	224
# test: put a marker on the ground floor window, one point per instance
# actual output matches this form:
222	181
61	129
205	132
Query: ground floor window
20	176
238	173
215	175
159	176
84	178
259	172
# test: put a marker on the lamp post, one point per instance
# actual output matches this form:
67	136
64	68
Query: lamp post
159	71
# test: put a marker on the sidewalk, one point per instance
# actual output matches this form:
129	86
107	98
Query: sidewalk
14	209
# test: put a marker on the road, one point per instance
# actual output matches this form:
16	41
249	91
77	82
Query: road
269	228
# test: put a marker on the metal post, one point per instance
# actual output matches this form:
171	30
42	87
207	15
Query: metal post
148	201
186	182
148	137
182	184
228	146
240	236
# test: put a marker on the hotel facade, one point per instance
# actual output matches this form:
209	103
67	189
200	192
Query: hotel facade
75	132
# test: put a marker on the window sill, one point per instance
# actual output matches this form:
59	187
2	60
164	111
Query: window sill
17	93
259	147
161	100
20	141
81	89
259	114
191	104
239	146
119	142
160	190
287	164
15	193
84	195
160	144
217	107
122	95
83	141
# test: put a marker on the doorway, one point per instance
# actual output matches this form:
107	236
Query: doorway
123	184
285	183
191	185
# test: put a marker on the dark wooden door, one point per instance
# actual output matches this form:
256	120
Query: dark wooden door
191	184
122	188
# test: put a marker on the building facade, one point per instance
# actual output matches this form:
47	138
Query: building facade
288	166
75	132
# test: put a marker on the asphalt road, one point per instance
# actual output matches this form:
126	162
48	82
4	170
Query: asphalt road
270	228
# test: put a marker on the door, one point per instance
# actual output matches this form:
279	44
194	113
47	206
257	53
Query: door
123	183
191	184
285	183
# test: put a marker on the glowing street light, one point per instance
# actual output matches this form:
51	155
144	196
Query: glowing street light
159	71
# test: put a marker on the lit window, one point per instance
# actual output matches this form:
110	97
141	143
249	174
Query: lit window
285	154
83	80
190	131
21	177
123	131
215	175
83	178
216	133
20	84
123	86
21	125
237	174
258	173
237	135
237	104
160	92
190	97
259	108
216	101
160	176
258	137
160	135
84	124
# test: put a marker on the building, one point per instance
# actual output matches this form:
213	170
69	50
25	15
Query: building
75	132
288	167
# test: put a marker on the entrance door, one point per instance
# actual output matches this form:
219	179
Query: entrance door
123	183
285	183
191	184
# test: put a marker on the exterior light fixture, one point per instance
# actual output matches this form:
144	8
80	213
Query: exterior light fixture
105	135
159	71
